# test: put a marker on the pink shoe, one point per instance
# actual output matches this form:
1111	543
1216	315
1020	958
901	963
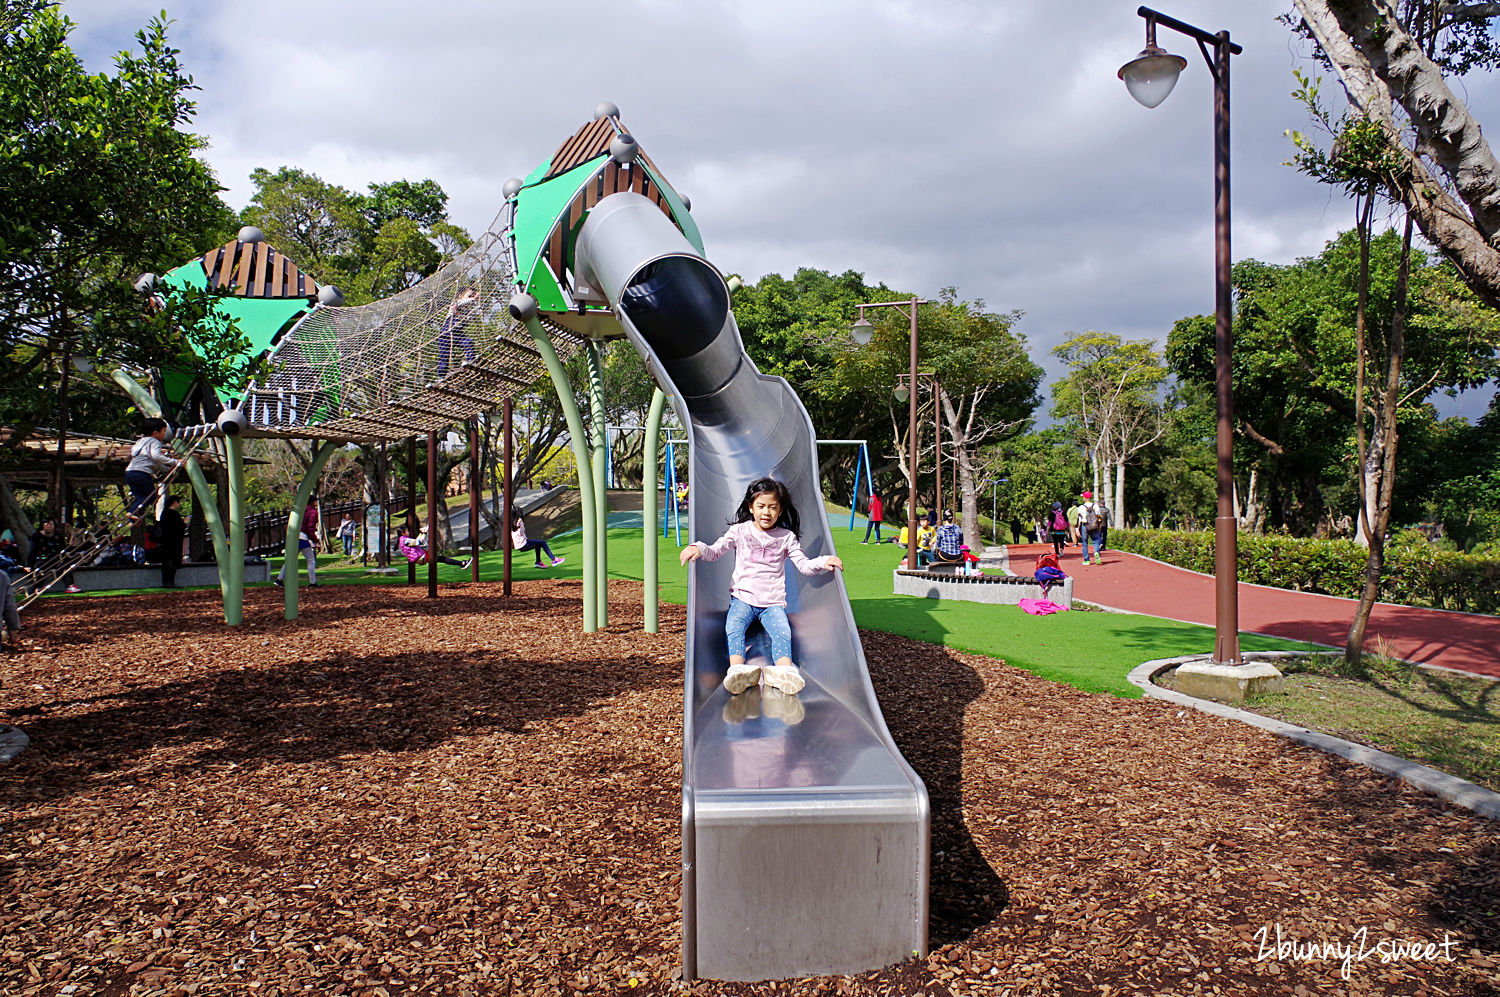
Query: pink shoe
558	560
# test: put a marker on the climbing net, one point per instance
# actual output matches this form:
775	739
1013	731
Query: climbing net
434	354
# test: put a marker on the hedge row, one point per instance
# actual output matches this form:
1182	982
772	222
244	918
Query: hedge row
1414	575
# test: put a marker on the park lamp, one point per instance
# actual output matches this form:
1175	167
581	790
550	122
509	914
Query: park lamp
902	392
1152	74
861	331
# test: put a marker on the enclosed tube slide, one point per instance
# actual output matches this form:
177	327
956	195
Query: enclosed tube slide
805	836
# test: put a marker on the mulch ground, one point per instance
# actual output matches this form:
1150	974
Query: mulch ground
398	796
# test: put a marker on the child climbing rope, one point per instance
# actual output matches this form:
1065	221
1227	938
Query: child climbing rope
763	536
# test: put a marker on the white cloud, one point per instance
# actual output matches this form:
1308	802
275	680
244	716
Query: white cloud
941	142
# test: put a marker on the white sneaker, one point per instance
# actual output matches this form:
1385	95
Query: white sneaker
778	705
787	678
741	677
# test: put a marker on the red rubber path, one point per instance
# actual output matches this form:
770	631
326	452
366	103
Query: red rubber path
1465	641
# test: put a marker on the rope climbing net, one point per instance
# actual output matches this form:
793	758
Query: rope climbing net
434	354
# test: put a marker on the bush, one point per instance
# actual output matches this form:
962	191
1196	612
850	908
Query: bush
1414	574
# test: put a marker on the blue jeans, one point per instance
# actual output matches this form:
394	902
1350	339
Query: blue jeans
1092	540
142	490
772	619
540	546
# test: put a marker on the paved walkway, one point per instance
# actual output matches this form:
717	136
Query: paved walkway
1465	641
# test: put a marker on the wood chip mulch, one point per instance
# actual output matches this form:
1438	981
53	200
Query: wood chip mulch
400	796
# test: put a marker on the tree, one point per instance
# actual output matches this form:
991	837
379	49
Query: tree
987	384
1040	468
1295	364
370	245
1109	397
798	329
1393	60
98	183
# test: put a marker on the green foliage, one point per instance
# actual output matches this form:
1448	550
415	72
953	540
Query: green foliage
98	183
370	245
1041	468
1414	574
1294	366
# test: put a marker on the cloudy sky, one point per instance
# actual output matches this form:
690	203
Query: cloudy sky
976	143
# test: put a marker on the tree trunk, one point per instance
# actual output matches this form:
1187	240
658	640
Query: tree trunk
1117	511
1383	441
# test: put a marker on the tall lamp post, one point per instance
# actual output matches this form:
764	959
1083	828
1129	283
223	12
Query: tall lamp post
861	332
903	389
1150	77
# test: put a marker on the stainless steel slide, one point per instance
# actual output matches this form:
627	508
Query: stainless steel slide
804	841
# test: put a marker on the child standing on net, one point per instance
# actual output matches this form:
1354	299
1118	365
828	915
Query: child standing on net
764	537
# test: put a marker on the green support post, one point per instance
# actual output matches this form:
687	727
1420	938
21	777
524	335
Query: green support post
601	493
579	444
232	574
651	597
294	524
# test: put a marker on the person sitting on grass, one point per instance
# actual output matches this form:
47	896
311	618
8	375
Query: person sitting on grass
520	543
416	550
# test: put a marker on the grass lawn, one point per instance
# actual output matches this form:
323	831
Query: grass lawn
1448	721
1087	650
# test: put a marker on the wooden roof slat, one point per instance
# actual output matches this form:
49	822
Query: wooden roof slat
241	281
258	274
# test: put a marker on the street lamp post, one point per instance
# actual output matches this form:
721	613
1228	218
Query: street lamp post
862	331
1150	77
901	394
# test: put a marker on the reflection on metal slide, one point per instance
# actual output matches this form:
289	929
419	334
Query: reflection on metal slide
804	834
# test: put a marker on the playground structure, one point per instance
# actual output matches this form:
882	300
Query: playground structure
804	844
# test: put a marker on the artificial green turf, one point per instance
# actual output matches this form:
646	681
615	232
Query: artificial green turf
1090	651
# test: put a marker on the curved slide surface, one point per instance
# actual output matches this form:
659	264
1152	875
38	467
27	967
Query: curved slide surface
805	835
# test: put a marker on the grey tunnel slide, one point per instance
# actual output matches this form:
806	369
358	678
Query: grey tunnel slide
804	844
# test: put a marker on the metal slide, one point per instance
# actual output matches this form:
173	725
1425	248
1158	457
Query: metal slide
804	843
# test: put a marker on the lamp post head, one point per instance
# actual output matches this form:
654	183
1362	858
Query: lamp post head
1151	75
861	331
902	392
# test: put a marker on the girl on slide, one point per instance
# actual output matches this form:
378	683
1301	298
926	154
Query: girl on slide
763	536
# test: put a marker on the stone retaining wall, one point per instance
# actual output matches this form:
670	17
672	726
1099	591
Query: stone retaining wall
149	576
1004	590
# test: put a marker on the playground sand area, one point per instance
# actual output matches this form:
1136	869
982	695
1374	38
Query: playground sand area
396	795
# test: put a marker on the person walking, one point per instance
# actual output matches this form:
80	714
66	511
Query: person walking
346	532
1058	528
1091	518
877	516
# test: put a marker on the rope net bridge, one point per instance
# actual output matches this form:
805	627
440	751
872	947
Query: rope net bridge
437	353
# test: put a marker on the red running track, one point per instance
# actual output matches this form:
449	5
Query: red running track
1465	641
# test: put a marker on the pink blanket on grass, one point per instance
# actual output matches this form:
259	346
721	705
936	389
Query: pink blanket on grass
1041	607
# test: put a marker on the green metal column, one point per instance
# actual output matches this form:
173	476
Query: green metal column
601	492
294	523
651	597
579	444
232	570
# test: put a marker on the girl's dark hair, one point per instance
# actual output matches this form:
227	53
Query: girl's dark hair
761	486
153	425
